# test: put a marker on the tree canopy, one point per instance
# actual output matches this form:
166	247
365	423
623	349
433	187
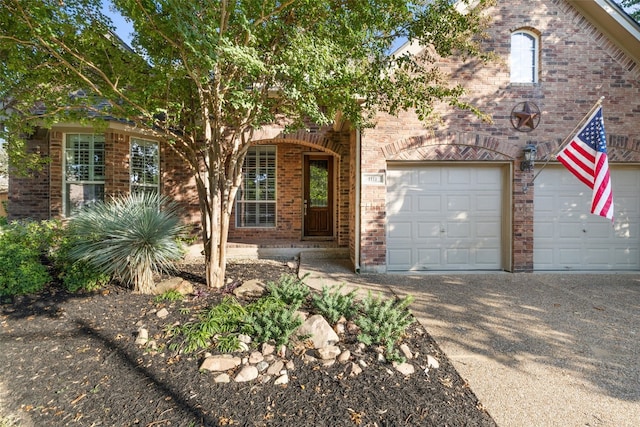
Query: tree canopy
204	75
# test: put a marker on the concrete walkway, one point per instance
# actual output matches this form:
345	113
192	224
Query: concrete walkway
537	349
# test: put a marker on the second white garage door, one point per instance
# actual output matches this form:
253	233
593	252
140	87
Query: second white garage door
444	218
568	237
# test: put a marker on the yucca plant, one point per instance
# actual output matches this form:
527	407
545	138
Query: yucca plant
130	238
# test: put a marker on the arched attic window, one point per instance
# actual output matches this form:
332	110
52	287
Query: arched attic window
525	46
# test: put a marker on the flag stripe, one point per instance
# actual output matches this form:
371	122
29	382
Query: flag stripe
586	158
577	167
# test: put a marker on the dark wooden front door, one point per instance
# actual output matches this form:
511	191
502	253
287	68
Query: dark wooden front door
318	196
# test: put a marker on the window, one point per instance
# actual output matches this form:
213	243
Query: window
524	57
84	171
144	167
256	200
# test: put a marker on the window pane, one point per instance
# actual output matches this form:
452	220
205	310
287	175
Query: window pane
256	199
84	171
144	166
523	58
81	195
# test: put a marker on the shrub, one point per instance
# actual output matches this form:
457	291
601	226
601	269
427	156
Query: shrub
289	289
333	304
75	275
21	271
270	319
384	322
130	238
23	246
218	326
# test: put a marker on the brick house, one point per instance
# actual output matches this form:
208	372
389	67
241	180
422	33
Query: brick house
404	197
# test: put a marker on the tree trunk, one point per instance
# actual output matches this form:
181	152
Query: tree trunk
217	192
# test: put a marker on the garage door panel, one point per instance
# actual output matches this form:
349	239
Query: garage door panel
627	256
454	212
487	203
428	258
457	204
598	257
486	256
458	230
428	229
457	177
426	176
579	240
401	230
458	257
400	258
429	204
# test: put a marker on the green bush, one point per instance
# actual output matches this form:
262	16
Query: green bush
384	321
75	275
21	271
218	327
130	238
270	319
333	304
23	248
289	289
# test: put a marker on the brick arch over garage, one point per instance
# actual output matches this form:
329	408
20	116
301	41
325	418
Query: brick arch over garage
620	149
322	141
452	146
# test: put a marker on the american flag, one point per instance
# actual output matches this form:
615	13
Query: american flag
586	157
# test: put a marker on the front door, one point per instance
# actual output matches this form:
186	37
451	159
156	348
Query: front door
318	196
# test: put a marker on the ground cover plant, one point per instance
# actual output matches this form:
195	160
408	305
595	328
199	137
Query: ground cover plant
71	359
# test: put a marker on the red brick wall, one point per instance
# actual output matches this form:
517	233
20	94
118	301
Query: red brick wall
289	191
577	66
29	195
41	195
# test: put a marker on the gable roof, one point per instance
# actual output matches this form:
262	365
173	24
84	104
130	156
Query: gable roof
614	22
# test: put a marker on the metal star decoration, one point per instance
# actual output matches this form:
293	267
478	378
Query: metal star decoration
525	116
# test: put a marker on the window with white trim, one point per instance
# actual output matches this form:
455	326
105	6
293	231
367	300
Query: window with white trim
84	171
256	199
524	57
144	166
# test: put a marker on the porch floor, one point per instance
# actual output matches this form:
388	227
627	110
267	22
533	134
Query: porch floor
275	249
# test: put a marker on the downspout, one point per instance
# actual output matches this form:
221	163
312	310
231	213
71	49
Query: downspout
358	201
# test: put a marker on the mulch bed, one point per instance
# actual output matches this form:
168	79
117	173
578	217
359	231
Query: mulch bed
70	360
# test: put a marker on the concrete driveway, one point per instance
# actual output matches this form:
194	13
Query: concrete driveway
537	349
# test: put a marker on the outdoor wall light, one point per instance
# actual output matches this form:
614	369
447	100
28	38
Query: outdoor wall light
528	157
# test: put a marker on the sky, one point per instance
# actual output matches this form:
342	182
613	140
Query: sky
123	27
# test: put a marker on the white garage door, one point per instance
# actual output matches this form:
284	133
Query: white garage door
568	237
444	218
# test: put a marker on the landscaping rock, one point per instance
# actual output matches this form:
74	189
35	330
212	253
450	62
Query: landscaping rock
319	330
405	368
255	357
267	349
262	365
222	378
162	313
432	362
247	373
328	352
143	336
275	368
174	284
344	356
281	380
222	362
406	351
250	289
353	370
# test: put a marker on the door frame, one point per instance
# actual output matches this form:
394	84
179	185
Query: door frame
306	157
